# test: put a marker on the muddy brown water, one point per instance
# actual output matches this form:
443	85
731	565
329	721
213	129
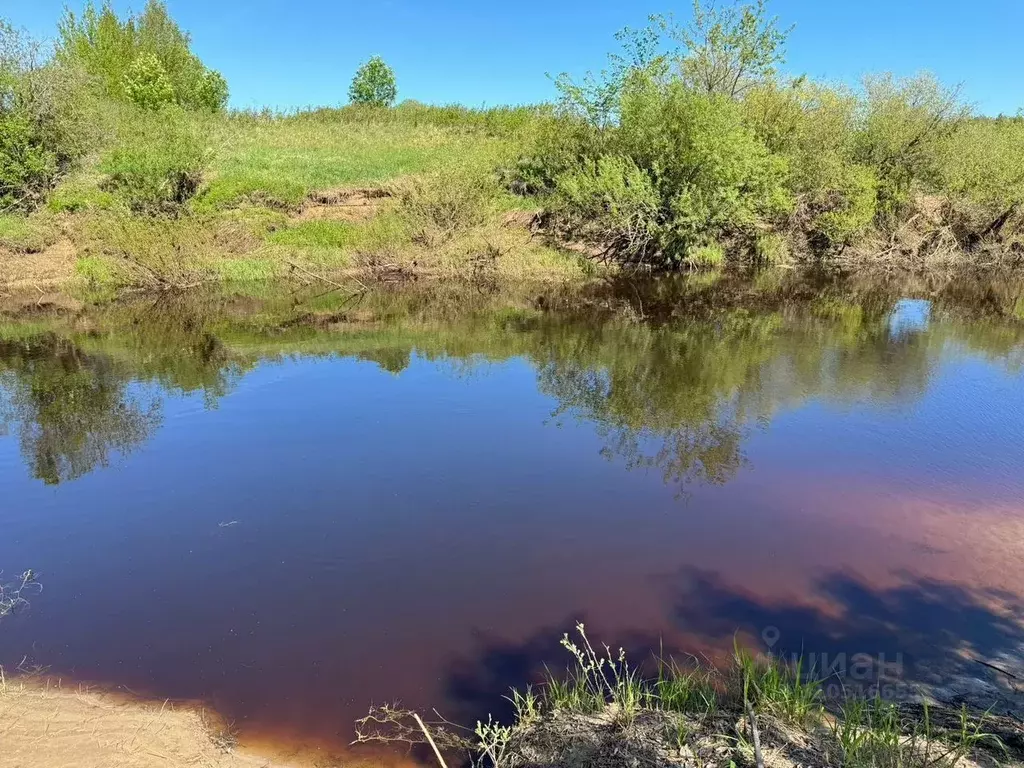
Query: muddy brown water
294	507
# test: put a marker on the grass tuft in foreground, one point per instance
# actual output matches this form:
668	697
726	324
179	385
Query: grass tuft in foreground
759	711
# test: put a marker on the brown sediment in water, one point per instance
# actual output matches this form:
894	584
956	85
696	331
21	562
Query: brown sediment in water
47	722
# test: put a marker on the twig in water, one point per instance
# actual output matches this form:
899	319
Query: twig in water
315	276
430	739
997	669
11	594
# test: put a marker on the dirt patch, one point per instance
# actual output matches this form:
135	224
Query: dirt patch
342	205
45	725
53	266
532	221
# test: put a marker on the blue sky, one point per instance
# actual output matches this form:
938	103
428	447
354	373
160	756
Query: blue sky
303	52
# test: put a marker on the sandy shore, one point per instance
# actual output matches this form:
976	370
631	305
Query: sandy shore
44	724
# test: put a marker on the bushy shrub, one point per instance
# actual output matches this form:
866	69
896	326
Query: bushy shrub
158	162
905	124
611	204
158	252
147	60
27	167
44	123
981	175
815	128
211	92
374	84
147	85
984	162
732	154
440	205
679	171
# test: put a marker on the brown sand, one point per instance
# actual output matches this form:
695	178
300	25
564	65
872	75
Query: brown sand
45	725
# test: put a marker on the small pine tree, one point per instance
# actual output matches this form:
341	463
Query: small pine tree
374	84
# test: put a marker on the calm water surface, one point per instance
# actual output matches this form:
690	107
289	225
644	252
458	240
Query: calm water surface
296	507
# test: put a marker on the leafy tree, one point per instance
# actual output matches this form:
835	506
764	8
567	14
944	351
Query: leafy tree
119	53
722	52
212	91
374	84
146	83
727	51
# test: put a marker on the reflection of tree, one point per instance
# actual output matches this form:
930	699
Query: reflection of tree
672	374
72	410
680	398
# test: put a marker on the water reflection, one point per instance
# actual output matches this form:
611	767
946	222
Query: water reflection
673	374
71	410
422	506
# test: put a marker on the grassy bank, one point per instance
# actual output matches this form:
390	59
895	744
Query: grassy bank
125	170
324	196
603	711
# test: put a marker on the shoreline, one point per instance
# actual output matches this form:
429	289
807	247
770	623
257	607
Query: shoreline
47	721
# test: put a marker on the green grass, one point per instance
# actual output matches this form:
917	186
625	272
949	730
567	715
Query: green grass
80	192
25	235
286	159
874	733
863	733
244	225
685	690
791	693
252	270
321	234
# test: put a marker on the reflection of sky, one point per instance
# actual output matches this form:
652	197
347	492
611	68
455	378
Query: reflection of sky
385	521
909	316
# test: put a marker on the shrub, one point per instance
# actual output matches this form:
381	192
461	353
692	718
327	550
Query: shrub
610	203
211	92
158	163
27	167
439	205
726	51
147	60
673	150
374	84
157	252
43	121
684	172
147	85
905	125
984	163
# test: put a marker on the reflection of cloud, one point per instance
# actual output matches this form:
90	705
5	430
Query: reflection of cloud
925	620
476	685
